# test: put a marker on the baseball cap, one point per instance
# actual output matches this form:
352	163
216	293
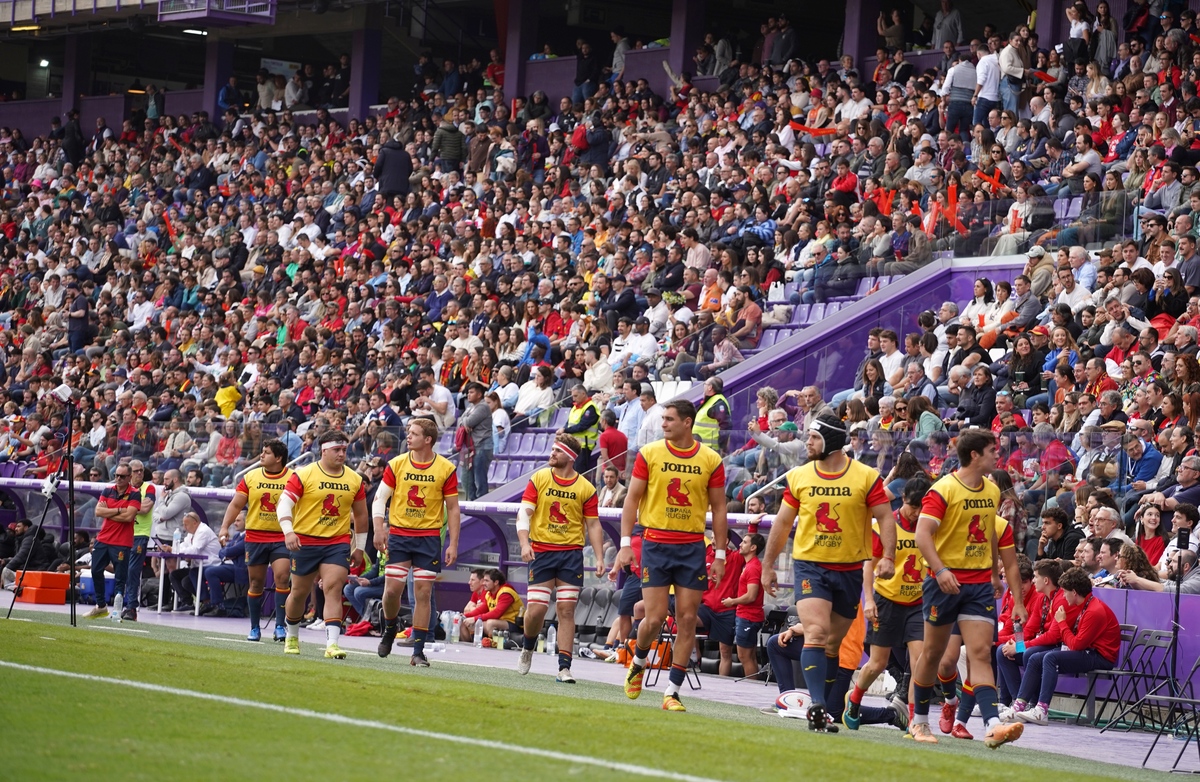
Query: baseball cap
1041	331
1036	252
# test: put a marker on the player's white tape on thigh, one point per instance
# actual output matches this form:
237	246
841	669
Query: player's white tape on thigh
538	596
568	594
397	572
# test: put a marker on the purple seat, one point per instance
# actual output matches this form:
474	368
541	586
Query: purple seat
800	314
768	338
789	289
864	287
559	419
516	444
832	307
540	446
815	314
496	472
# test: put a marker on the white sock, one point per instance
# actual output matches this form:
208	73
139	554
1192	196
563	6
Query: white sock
994	722
672	689
639	661
293	630
920	719
332	632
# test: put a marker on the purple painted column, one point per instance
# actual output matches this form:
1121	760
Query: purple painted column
687	32
218	67
519	44
365	60
1050	20
861	34
77	71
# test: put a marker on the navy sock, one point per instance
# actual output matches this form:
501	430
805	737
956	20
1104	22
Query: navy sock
529	644
418	636
948	687
815	665
922	695
254	606
966	704
564	660
281	606
989	703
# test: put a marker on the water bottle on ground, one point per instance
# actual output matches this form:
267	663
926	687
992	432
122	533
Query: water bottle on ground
455	628
478	633
117	606
552	640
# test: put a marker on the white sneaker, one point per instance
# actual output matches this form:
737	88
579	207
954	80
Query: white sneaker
564	676
525	661
1034	716
317	625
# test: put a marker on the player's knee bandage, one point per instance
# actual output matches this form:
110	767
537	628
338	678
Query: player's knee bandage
395	572
425	575
538	596
568	594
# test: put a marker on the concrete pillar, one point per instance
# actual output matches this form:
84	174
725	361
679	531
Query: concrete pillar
218	67
520	42
77	70
687	32
366	55
861	35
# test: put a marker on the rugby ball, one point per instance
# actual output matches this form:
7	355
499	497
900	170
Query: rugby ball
793	703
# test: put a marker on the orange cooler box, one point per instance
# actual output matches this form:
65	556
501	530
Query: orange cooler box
45	579
43	596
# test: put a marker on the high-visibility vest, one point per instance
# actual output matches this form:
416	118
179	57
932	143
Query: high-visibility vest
705	428
587	438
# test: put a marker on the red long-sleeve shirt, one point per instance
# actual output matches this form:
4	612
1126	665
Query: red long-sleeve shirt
503	601
1050	634
1033	600
1095	628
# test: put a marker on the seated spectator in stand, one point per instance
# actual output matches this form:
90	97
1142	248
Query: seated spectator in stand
1060	537
199	542
367	585
611	493
1091	641
1182	576
231	570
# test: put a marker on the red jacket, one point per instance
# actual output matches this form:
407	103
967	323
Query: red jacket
1033	600
1048	634
1096	628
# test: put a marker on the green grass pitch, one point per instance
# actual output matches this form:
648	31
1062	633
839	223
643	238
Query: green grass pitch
73	729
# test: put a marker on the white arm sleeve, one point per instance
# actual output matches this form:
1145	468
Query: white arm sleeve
382	495
284	511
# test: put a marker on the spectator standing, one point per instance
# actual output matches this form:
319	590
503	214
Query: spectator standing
118	506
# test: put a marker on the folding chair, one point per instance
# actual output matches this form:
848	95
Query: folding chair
1186	705
668	636
1129	634
1147	665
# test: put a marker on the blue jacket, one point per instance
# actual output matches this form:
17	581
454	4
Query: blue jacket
1143	469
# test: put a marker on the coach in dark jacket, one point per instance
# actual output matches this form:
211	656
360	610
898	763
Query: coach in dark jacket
393	168
37	547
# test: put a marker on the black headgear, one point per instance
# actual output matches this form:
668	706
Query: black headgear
832	432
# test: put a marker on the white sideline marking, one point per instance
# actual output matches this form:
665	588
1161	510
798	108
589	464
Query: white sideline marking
231	640
18	619
118	629
47	638
341	719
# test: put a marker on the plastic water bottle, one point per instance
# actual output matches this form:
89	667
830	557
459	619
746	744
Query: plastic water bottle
436	646
478	633
541	642
176	539
455	628
1019	636
118	604
552	640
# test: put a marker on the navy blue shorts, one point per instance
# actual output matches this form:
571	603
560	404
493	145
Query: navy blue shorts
842	588
719	625
565	566
896	624
266	553
631	593
424	552
973	602
310	558
745	633
681	565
